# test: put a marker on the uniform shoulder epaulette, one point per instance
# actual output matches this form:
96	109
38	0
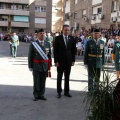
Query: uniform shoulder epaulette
116	42
35	40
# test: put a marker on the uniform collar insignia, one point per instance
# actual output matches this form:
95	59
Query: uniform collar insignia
118	45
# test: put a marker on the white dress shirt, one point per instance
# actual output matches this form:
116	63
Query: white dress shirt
64	38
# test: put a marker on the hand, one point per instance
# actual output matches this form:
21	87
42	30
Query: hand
30	69
86	65
113	61
73	63
57	64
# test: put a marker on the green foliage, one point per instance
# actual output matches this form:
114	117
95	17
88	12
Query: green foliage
102	101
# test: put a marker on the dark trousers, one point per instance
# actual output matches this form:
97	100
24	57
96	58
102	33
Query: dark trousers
60	70
93	77
39	79
10	49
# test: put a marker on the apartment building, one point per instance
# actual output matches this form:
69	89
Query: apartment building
57	15
86	14
25	15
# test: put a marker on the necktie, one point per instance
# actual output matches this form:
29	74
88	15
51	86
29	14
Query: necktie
41	43
66	40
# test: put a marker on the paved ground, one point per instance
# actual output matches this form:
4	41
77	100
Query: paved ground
16	99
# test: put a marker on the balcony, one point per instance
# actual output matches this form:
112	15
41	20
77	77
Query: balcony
67	9
39	25
59	13
14	24
14	12
40	14
94	2
41	3
16	1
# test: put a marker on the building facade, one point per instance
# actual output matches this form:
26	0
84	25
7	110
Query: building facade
86	14
57	15
25	15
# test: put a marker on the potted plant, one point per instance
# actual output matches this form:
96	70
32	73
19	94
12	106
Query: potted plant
103	103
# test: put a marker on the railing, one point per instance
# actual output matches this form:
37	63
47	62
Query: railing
25	9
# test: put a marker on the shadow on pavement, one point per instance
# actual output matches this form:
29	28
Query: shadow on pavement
72	80
17	104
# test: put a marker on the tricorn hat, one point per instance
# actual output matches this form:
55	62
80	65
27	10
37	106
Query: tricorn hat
40	30
96	30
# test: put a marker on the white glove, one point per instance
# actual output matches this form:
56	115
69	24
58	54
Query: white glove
30	69
86	65
113	61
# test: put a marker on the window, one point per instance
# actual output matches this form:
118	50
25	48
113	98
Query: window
43	9
114	6
3	6
40	20
75	15
21	30
67	17
40	9
19	7
4	28
21	18
75	1
99	10
13	7
84	13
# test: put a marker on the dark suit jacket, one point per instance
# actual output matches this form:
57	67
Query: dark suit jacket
64	55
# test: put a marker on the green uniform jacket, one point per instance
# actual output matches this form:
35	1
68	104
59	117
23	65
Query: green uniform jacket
116	51
96	49
15	40
49	39
33	54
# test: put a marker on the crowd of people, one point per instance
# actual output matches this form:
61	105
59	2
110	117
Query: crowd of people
107	35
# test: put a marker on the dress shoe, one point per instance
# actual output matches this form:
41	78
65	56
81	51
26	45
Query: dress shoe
59	95
67	95
35	99
42	98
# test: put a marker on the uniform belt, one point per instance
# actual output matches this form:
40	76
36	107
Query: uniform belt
39	61
92	55
42	61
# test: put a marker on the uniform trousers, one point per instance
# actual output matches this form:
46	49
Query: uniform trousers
14	50
116	95
93	76
39	79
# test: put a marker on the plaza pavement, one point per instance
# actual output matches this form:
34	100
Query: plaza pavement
16	99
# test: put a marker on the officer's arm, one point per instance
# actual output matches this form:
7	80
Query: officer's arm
30	56
103	56
49	54
113	53
86	54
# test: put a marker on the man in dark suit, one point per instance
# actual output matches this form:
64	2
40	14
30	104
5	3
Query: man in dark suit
64	58
38	64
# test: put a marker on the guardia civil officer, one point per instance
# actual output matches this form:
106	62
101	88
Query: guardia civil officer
14	44
116	56
94	58
38	61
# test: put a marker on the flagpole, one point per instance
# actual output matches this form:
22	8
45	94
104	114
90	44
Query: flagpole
9	25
